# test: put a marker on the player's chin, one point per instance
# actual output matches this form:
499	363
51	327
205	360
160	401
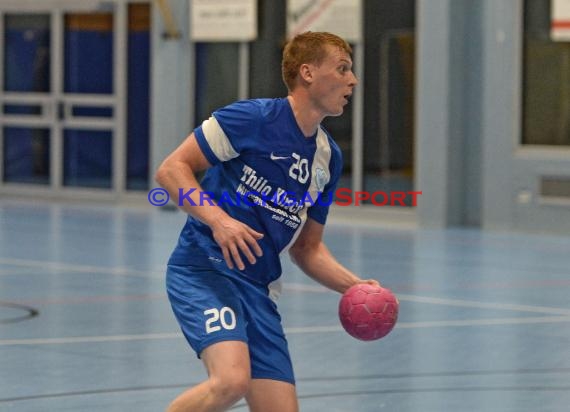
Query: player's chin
337	112
342	106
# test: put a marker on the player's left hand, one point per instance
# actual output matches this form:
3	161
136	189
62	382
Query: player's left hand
372	282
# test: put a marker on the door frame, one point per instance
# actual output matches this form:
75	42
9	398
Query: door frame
55	99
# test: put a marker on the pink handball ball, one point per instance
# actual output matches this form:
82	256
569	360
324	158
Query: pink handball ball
368	312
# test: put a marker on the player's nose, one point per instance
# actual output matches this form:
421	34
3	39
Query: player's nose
353	80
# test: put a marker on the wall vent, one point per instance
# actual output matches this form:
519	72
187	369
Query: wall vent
555	189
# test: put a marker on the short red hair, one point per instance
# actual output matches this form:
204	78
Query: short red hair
308	47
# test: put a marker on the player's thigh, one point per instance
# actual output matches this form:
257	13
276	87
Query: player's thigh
272	395
228	361
207	306
268	345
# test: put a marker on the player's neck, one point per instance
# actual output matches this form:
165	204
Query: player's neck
308	119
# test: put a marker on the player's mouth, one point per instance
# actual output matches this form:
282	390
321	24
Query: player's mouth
347	98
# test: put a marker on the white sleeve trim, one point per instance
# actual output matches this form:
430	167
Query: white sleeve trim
217	140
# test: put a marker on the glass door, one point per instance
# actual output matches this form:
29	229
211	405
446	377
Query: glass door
62	106
26	101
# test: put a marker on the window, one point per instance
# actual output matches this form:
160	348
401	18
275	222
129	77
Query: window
546	79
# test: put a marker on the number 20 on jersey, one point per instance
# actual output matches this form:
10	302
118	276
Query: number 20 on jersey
218	319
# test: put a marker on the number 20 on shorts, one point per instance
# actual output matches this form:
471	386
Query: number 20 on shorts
220	318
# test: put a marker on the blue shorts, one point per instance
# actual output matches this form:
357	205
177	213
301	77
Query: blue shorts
211	307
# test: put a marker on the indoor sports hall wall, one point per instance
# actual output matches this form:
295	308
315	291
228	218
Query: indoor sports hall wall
465	101
479	162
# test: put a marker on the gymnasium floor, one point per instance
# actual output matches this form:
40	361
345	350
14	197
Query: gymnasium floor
85	324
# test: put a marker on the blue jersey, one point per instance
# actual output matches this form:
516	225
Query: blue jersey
266	174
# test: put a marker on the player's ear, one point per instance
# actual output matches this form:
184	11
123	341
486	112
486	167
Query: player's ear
306	72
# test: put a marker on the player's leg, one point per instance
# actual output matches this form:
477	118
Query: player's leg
228	380
272	386
208	308
271	395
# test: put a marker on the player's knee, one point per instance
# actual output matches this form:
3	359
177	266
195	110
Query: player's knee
231	387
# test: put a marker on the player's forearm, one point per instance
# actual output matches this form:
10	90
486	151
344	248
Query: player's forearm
321	266
184	189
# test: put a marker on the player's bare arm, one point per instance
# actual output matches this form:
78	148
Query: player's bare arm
178	171
313	257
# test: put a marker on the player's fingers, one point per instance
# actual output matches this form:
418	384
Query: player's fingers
227	257
373	282
252	242
254	233
245	249
236	257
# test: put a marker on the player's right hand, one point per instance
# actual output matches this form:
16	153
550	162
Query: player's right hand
236	238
